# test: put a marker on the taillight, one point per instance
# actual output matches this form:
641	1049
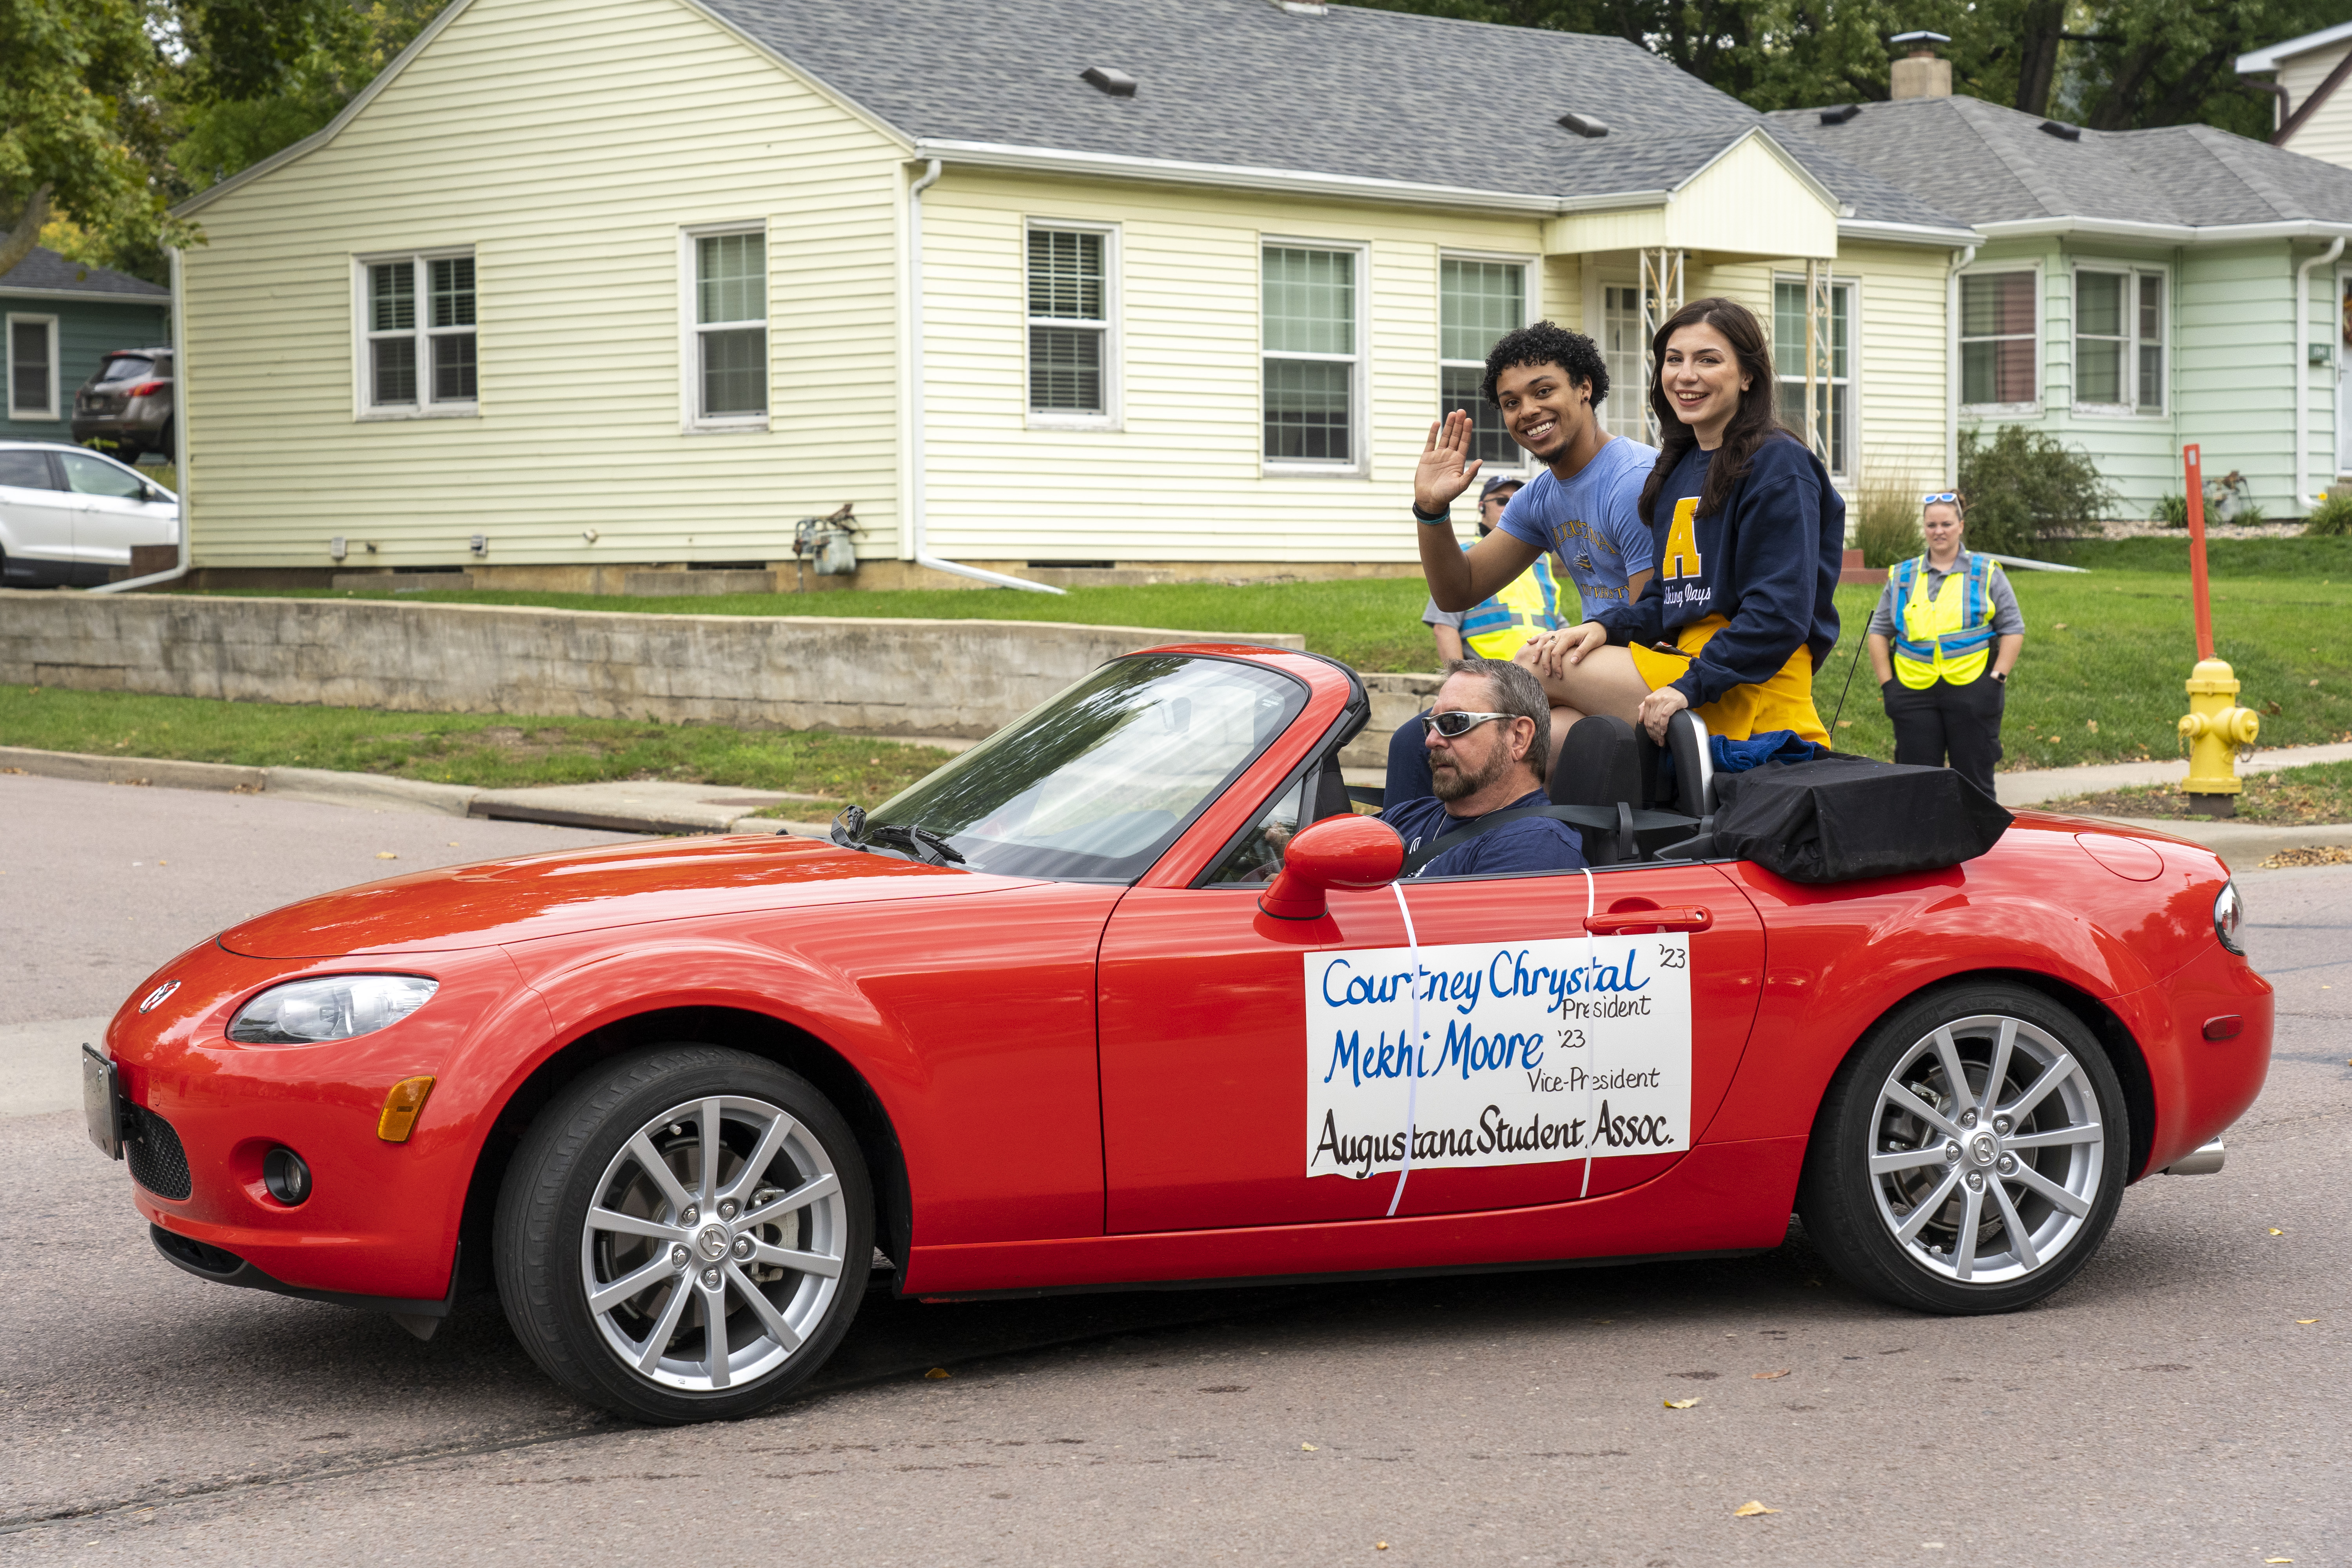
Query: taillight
145	387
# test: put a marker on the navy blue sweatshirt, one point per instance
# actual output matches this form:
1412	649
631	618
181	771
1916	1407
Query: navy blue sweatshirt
1768	561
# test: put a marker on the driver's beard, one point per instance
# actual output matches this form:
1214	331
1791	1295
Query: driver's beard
1450	782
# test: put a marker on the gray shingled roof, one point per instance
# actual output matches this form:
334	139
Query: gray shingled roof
1991	164
1364	94
47	269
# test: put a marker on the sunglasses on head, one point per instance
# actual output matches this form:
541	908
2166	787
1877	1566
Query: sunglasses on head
1454	726
1951	496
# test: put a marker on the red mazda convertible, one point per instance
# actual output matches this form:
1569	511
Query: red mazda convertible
1126	995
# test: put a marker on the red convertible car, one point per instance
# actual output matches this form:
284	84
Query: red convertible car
1126	995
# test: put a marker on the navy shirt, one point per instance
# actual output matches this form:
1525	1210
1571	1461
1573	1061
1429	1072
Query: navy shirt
1531	845
1768	562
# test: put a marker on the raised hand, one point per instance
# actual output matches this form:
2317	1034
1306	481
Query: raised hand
1443	473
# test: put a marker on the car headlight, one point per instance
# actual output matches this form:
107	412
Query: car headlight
2227	913
335	1007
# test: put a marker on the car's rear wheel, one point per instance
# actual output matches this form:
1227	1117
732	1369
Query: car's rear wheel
1970	1154
684	1234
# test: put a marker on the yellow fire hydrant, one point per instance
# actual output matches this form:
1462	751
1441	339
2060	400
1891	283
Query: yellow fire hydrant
2215	730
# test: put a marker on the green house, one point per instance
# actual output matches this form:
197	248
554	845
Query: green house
2137	290
58	318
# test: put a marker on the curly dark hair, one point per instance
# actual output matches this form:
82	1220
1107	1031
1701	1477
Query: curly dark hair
1547	343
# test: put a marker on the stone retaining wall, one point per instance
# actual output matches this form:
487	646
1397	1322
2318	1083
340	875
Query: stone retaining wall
870	675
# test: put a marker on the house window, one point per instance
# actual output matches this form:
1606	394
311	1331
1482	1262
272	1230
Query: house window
33	367
1311	356
419	357
2119	339
1477	302
1996	338
727	339
1069	308
1789	364
1626	357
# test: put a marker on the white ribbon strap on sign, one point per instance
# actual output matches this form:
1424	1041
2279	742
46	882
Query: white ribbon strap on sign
1592	960
1412	1078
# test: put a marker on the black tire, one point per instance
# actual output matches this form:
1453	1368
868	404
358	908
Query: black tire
648	1355
2021	1169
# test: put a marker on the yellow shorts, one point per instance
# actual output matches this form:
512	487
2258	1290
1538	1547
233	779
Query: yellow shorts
1783	702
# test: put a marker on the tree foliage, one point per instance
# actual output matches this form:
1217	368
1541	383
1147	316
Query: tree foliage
2109	64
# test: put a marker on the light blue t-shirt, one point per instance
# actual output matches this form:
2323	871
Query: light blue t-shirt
1592	523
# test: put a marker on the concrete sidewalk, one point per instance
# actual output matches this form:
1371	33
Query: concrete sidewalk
2032	786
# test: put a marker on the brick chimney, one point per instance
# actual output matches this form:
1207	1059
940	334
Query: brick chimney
1921	73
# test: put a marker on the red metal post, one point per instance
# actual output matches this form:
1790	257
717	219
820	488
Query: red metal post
2195	465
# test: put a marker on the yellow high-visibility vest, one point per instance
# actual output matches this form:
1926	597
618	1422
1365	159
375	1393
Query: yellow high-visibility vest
1528	605
1949	636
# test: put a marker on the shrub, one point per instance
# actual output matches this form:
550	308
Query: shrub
2332	517
2025	488
2172	511
1886	522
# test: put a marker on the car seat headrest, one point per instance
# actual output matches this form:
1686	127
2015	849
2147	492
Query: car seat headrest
1601	764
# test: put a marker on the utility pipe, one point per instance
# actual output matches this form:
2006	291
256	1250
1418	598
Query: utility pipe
915	483
1960	259
2302	372
178	436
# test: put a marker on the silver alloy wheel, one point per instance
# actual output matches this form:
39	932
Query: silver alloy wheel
1986	1149
706	1273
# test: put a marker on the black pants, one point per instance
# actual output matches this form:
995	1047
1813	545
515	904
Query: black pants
1963	720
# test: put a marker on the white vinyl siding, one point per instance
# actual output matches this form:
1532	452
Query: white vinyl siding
1071	305
2119	339
1789	364
1312	348
726	347
1477	301
417	352
32	351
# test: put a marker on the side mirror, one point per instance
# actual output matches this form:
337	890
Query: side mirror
1338	852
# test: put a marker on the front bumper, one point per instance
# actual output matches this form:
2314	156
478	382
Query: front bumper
420	1317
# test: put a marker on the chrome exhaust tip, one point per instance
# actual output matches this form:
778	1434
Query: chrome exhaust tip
2205	1160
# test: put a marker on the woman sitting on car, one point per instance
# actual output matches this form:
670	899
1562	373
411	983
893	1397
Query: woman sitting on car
1749	537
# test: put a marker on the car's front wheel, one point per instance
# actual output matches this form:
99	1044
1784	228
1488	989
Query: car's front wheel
684	1234
1970	1154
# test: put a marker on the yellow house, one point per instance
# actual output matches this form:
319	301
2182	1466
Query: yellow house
1042	287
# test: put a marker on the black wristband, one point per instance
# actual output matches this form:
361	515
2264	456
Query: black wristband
1427	520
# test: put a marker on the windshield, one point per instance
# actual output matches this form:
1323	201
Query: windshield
1097	782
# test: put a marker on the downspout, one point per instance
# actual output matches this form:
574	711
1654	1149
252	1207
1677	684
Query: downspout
915	484
179	435
1960	258
2303	371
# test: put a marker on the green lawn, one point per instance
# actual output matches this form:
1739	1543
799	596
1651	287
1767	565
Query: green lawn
488	751
2293	798
2101	678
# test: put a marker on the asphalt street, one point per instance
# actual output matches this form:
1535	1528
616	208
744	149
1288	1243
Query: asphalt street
2171	1407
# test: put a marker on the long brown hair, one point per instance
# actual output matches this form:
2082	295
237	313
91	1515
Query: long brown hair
1751	428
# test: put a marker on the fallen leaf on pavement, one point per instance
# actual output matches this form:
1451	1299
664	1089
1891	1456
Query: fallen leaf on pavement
2278	1560
2276	1231
2307	1320
1766	1376
1750	1509
1379	1546
385	855
1681	1404
938	1372
1310	1448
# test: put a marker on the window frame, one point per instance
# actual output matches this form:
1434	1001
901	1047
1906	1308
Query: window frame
1114	414
691	420
1358	464
1849	284
364	408
1519	464
1959	342
2134	274
1627	400
55	414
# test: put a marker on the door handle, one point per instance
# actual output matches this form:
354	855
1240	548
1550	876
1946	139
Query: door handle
1626	922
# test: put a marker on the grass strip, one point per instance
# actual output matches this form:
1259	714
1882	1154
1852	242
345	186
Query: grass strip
486	750
2309	797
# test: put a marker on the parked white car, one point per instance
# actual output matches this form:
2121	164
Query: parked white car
68	515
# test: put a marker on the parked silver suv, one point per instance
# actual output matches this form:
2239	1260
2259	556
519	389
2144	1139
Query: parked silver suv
127	404
69	517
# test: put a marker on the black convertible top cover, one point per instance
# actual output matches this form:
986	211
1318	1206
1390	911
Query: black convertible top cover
1841	818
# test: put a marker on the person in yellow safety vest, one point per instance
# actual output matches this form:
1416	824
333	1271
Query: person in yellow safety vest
1520	611
1943	639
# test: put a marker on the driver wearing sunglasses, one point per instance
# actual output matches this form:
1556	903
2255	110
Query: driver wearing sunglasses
1489	740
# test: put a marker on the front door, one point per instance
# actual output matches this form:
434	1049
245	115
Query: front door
1254	1071
114	514
40	515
